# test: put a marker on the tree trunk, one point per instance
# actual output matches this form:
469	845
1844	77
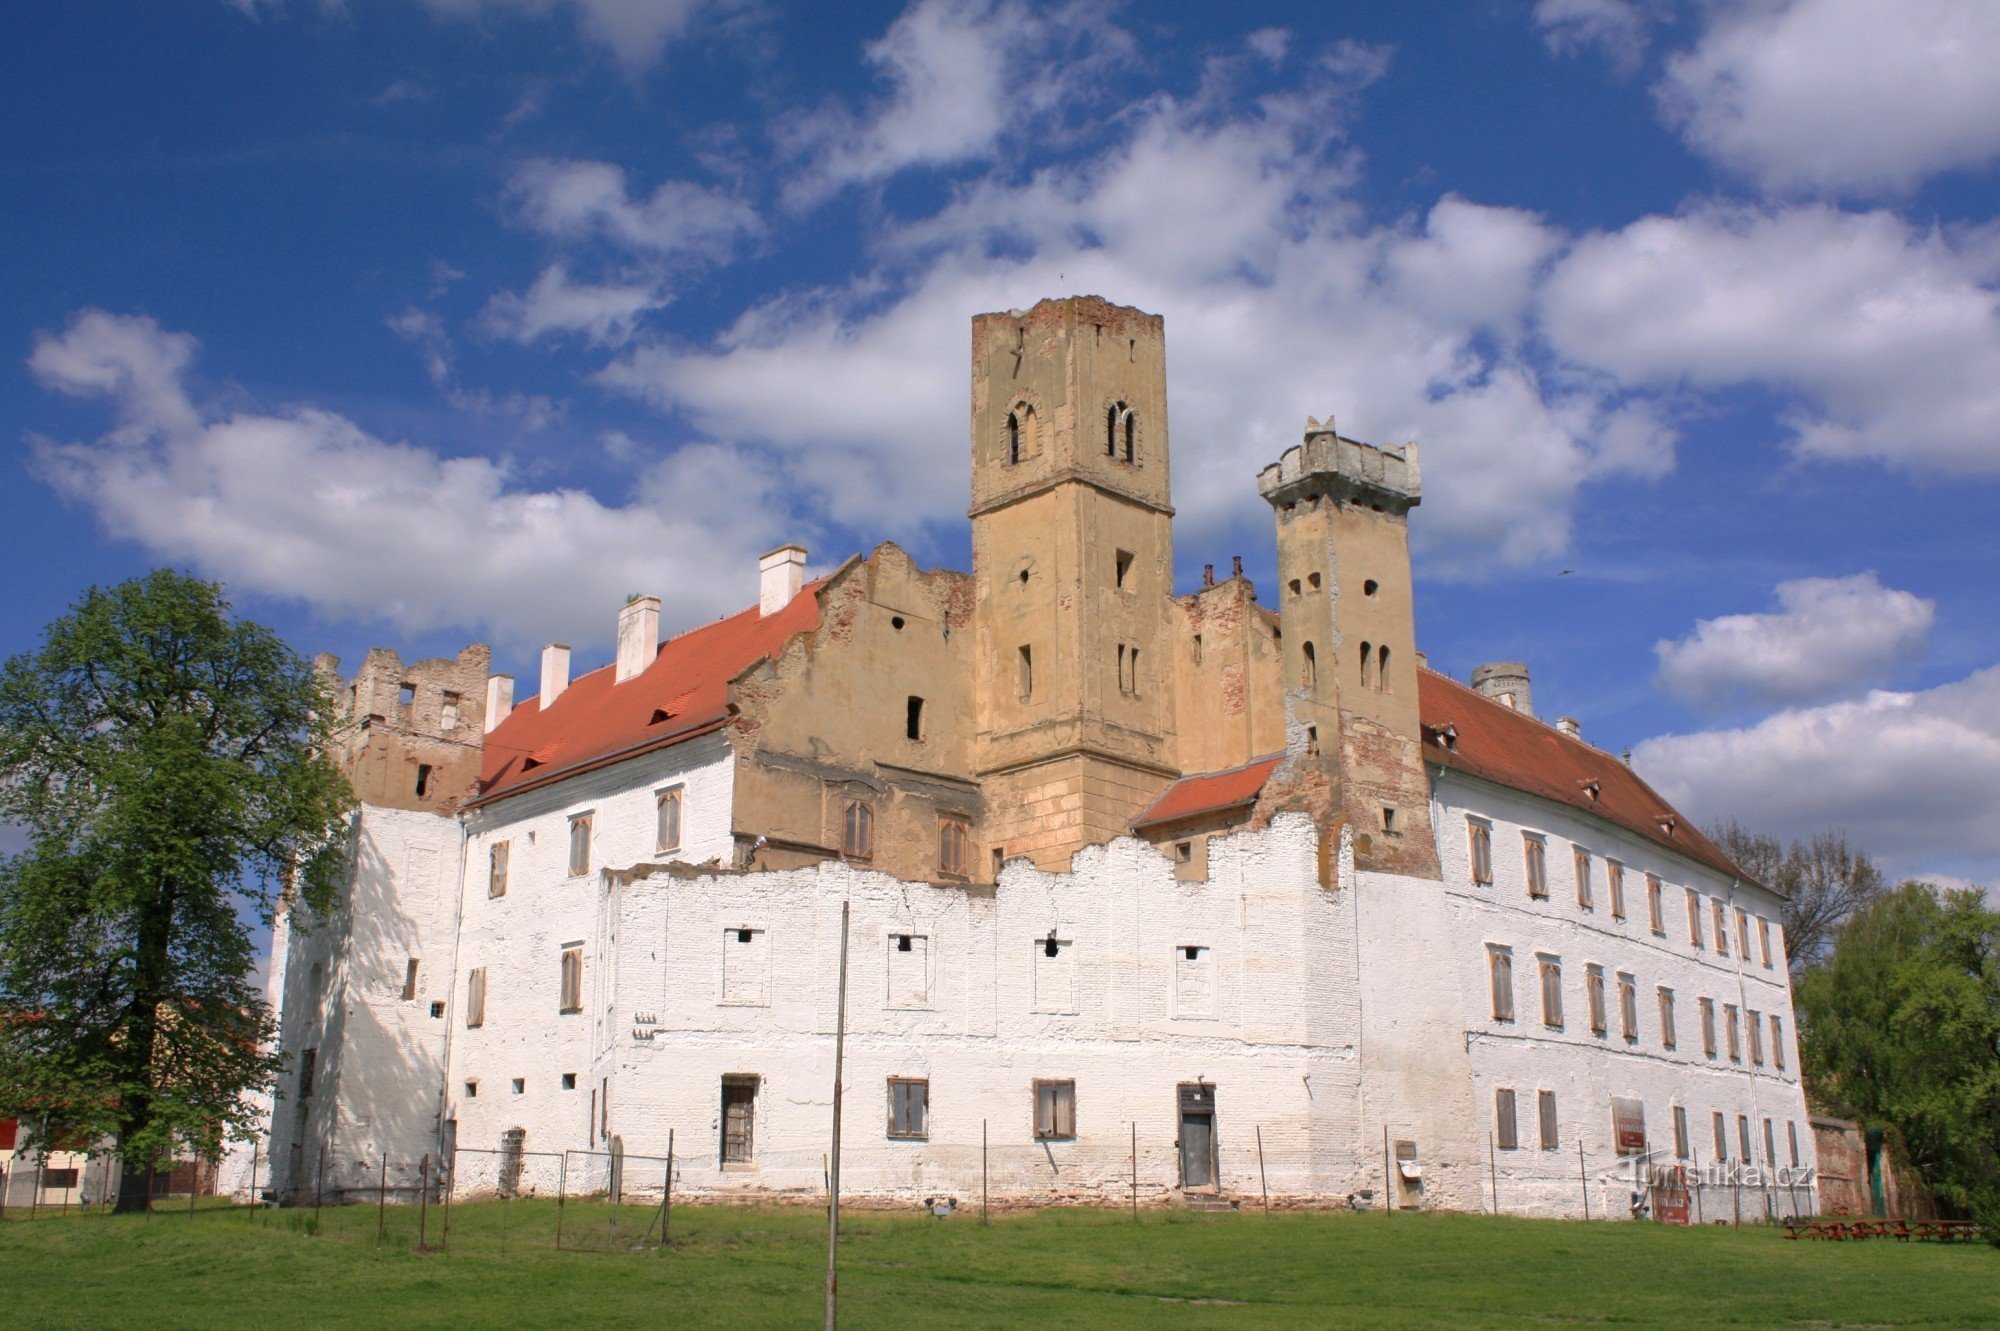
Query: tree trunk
149	992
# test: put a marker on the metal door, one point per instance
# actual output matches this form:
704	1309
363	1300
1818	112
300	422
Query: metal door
1197	1122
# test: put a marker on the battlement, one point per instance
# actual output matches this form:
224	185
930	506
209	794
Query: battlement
1328	464
410	735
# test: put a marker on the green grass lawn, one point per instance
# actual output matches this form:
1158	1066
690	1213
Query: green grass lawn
753	1268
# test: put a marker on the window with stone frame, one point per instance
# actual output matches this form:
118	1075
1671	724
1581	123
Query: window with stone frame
857	830
497	856
1753	1026
1742	933
579	845
1628	1008
1721	927
1481	835
1500	968
1669	1033
1594	990
1552	993
1614	882
909	1108
1694	919
1505	1130
572	979
1656	916
954	845
1546	1104
667	818
1535	858
1708	1027
1764	940
1778	1041
1584	897
1680	1132
1732	1030
1055	1110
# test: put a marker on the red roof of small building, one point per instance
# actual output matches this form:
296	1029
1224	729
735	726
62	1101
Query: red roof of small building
596	721
1210	792
1492	741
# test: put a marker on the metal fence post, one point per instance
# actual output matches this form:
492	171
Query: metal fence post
319	1187
423	1202
1583	1177
450	1186
382	1202
562	1195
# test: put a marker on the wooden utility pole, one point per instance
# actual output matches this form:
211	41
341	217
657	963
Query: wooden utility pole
1262	1181
833	1164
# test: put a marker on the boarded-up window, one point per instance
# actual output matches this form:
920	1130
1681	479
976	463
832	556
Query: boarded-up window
1594	989
1535	854
1708	1027
1721	1137
1552	993
1742	934
1482	852
1500	963
909	1108
1770	1145
1581	858
1764	939
1614	882
909	970
1055	1110
475	997
1731	1025
410	980
1055	974
1628	1007
579	845
1792	1136
1743	1136
496	868
1194	981
745	966
739	1119
1680	1132
1778	1041
1721	928
1694	918
1754	1025
1505	1131
1669	1036
448	711
954	845
857	830
308	1065
572	978
1655	908
1546	1104
668	819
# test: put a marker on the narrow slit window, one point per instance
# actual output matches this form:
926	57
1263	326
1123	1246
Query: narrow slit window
1381	669
1309	667
1552	993
1656	916
1025	672
1482	853
1504	1127
1534	853
423	779
1013	436
1122	567
1581	858
410	980
572	979
954	842
1367	665
1614	881
579	845
1131	437
1547	1105
913	718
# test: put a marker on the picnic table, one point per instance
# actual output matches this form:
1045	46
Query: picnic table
1940	1231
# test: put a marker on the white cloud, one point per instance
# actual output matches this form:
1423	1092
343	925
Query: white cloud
1888	335
1618	29
304	503
1909	775
576	202
1830	637
1850	96
603	313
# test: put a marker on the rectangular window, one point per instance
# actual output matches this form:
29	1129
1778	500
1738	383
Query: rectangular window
1535	852
308	1065
1778	1041
448	711
1584	899
1732	1028
1742	934
1500	963
739	1120
1552	993
857	830
1656	911
496	869
1669	1036
579	845
909	970
1770	1145
1547	1106
475	997
1743	1136
1614	882
1025	673
1721	927
954	843
667	819
1694	918
1507	1138
1593	980
1792	1137
1753	1026
1122	569
1764	940
1680	1132
1628	1008
60	1180
1721	1138
909	1108
1482	852
410	980
1055	1110
913	718
572	978
1708	1027
746	966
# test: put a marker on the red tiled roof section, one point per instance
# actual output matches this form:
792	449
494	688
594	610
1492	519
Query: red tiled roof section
1506	747
1209	792
596	721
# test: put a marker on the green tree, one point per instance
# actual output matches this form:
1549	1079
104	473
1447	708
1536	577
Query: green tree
168	763
1902	1025
1823	881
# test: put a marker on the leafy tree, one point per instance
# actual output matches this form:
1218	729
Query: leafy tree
1823	880
167	761
1902	1025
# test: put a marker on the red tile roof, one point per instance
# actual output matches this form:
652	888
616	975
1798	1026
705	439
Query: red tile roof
596	721
1210	792
1510	748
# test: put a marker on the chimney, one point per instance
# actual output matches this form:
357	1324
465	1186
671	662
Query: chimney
1505	682
555	673
638	636
780	574
1570	726
499	699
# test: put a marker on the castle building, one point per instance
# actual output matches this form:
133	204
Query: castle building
1197	892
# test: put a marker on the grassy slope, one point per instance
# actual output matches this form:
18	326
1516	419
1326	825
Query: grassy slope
748	1268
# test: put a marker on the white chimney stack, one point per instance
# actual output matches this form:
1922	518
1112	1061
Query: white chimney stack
499	699
555	673
638	636
780	575
1570	726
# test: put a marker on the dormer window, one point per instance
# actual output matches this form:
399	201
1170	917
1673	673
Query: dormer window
660	714
1591	790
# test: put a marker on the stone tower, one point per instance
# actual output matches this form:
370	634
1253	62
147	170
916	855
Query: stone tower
411	736
1072	546
1350	659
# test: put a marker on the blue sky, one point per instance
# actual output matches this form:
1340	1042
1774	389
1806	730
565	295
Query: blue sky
418	321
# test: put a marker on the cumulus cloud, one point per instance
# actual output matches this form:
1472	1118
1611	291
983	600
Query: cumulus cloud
304	503
1910	775
1843	96
1887	335
1829	637
604	314
577	201
1617	29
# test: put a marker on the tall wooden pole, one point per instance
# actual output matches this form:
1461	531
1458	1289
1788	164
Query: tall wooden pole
1135	1169
1493	1169
667	1197
983	1191
1583	1177
1262	1181
833	1165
